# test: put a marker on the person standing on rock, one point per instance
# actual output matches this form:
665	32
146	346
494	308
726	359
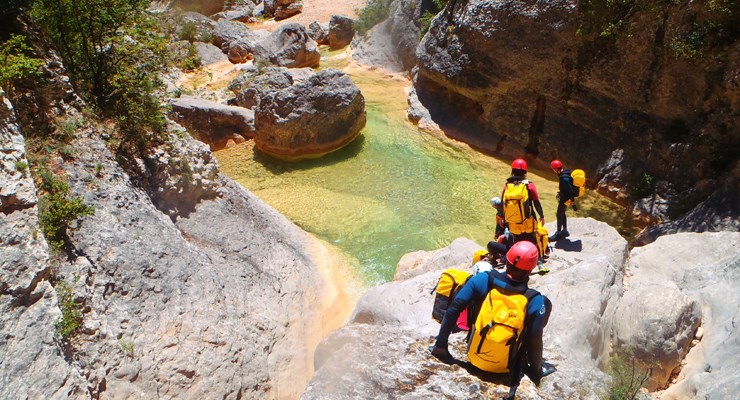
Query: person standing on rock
499	207
520	261
566	197
519	197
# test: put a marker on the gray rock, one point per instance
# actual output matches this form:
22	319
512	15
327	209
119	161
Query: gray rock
340	31
32	364
209	54
704	268
290	46
204	26
243	49
227	32
391	45
657	332
251	85
310	118
318	32
213	123
281	9
458	254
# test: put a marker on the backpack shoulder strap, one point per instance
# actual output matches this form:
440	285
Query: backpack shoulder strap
531	294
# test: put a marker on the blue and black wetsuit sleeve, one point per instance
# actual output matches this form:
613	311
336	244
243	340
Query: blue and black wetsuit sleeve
475	288
538	314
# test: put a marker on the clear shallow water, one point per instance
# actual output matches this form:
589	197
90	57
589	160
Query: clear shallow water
393	190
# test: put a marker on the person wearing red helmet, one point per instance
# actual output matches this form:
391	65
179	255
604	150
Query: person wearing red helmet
521	259
566	196
522	223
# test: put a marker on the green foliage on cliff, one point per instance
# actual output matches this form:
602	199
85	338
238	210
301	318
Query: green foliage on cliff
627	377
114	52
71	319
707	24
425	21
375	12
57	209
16	61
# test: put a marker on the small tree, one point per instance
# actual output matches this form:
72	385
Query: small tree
627	377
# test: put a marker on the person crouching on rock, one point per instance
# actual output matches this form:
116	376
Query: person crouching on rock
525	354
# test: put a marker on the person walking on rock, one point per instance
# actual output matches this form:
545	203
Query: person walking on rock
525	354
566	197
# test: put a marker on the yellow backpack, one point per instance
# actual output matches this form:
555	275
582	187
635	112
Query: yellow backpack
496	336
451	281
518	207
543	239
579	182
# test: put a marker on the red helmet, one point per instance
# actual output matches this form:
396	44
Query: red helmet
519	163
556	164
523	255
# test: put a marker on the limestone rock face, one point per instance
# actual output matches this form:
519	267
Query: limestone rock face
32	364
340	31
700	272
204	26
660	331
391	45
311	118
458	254
517	72
290	46
281	9
213	123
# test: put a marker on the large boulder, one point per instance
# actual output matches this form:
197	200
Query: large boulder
340	31
290	46
193	26
213	123
245	47
252	84
281	9
537	75
227	32
318	32
311	118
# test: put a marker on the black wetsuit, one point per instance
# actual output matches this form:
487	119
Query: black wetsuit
565	191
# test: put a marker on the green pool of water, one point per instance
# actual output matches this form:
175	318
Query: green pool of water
393	190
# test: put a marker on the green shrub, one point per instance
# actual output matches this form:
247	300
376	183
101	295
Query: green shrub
375	12
627	378
71	320
16	62
128	347
642	186
57	210
21	166
114	56
189	31
192	60
425	21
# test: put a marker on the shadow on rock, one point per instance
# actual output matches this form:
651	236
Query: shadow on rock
277	166
567	245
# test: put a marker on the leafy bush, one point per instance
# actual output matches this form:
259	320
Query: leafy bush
114	52
627	378
642	186
57	210
15	61
375	12
425	21
192	60
71	319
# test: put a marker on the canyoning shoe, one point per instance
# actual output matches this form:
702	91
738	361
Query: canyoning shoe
441	354
547	369
564	233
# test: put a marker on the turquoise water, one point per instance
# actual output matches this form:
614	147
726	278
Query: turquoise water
393	190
